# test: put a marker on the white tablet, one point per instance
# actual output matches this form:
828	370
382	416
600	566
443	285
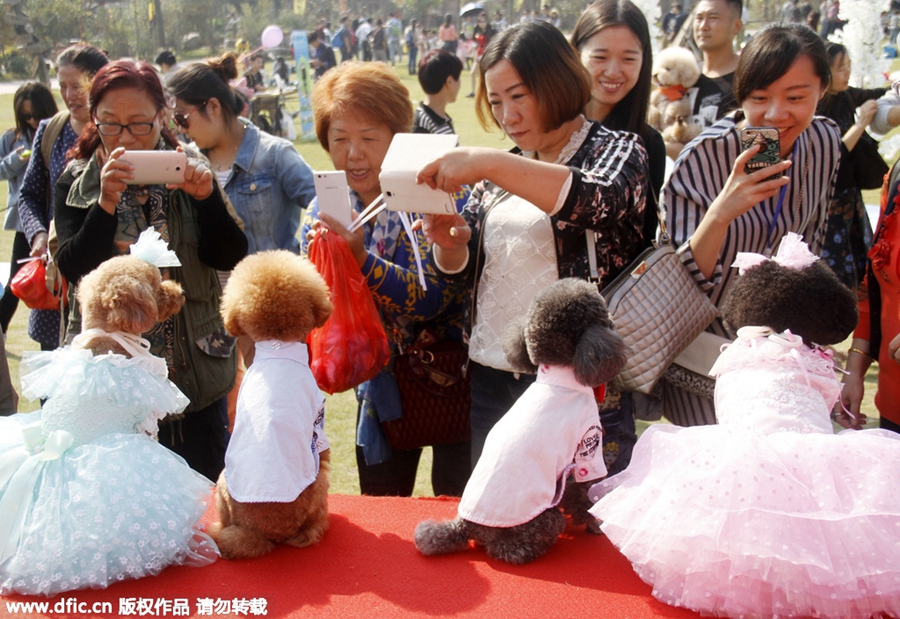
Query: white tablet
334	195
405	157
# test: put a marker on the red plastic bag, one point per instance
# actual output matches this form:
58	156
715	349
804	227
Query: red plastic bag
352	346
30	285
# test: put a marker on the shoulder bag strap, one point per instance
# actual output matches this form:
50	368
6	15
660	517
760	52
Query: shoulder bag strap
51	134
594	277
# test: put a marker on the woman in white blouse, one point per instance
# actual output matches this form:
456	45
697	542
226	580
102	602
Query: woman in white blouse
569	184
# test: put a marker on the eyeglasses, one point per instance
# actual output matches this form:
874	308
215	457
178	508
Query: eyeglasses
135	129
182	119
25	117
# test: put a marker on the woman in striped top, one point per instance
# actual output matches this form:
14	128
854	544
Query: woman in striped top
715	209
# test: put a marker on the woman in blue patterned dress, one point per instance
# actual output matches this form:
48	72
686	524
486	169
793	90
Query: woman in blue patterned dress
358	108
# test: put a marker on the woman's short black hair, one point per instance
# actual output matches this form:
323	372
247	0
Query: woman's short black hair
771	53
549	68
166	57
834	50
86	58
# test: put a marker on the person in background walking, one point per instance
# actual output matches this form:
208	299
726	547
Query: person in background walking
32	103
439	74
412	46
447	35
394	29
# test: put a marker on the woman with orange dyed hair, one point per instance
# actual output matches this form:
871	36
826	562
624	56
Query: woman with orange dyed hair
358	108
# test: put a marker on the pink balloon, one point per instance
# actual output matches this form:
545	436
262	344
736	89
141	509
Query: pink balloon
272	36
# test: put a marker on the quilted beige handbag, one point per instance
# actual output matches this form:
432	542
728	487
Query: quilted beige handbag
658	309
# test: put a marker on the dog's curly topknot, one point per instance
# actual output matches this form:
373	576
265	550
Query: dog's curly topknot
568	325
275	295
811	302
126	294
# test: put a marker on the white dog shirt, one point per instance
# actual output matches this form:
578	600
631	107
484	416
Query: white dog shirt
553	425
279	428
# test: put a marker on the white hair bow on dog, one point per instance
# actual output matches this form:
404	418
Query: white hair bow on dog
793	253
150	247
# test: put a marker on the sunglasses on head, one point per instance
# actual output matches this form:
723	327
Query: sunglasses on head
182	120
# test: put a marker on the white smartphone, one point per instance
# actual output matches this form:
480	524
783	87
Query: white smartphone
334	195
156	167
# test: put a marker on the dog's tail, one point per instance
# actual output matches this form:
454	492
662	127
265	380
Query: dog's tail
438	538
236	542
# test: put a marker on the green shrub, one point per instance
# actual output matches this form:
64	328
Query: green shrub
17	64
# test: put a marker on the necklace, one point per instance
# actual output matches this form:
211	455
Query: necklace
222	164
225	163
576	139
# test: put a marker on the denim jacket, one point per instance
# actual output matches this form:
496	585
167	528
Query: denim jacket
12	169
270	185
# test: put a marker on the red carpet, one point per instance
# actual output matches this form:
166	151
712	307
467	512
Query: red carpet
367	566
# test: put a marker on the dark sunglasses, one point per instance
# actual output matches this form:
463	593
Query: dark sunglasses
26	117
182	119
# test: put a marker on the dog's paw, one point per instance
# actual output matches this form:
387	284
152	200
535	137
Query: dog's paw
593	527
438	538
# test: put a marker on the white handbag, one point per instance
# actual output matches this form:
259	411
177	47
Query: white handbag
702	353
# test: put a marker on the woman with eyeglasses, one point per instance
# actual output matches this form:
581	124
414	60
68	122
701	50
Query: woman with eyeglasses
76	65
32	103
99	215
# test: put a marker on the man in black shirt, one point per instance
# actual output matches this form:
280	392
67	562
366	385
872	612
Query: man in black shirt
322	54
716	23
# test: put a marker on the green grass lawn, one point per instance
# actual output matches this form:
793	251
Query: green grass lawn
341	407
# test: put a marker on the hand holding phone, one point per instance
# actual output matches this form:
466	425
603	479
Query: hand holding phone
333	195
769	148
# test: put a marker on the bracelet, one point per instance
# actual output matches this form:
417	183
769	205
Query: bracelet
857	350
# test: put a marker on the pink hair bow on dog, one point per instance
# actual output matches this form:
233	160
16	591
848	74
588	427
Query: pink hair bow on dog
793	253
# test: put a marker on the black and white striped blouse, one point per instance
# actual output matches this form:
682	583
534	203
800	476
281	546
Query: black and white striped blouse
426	120
700	174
